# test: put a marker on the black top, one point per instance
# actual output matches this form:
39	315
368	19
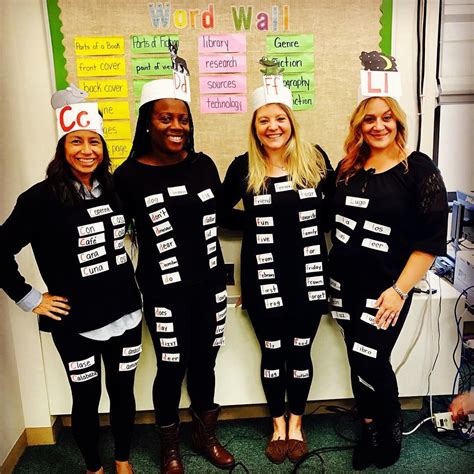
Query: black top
283	259
79	252
381	218
174	208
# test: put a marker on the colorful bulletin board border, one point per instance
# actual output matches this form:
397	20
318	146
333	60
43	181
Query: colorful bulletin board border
58	50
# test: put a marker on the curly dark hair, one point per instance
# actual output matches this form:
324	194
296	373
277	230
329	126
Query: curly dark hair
141	140
61	179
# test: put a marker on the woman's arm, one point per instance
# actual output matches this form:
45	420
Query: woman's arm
390	303
16	233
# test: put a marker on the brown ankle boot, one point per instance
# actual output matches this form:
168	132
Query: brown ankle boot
204	440
170	456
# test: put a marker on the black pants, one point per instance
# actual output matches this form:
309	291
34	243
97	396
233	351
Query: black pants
286	366
82	360
374	383
187	329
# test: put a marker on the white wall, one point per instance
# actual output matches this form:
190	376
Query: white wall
27	142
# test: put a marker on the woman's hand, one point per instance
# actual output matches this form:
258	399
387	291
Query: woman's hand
389	304
238	302
49	305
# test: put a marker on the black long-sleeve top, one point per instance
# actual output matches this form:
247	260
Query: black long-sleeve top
175	212
284	256
80	254
380	219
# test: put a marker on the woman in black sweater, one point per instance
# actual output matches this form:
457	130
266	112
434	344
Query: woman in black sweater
76	225
170	191
281	181
390	208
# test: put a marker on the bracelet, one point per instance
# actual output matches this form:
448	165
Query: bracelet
399	292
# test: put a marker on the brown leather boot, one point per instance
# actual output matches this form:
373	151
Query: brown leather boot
204	440
170	456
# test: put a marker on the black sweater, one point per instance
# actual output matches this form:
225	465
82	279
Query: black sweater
80	255
283	259
174	208
380	219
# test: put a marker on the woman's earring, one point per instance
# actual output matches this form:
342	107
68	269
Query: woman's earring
147	130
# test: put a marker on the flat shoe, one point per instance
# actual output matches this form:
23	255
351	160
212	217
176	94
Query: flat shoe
276	450
297	448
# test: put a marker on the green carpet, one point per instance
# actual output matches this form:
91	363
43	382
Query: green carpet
425	451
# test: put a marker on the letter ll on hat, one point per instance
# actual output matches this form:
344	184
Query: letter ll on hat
380	77
176	88
72	114
273	90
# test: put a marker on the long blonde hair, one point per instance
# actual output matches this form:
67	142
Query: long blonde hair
306	165
357	151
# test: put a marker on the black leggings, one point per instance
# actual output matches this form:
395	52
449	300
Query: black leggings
187	329
374	383
286	366
82	360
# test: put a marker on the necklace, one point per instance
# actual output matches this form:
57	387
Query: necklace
283	168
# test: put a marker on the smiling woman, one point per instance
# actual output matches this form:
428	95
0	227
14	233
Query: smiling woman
75	224
171	192
281	181
84	152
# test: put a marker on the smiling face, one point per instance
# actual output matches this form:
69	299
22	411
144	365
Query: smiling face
84	153
169	127
379	126
272	127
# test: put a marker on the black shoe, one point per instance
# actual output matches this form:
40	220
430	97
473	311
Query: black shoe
390	442
365	452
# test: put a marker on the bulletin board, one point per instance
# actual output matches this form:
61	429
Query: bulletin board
110	48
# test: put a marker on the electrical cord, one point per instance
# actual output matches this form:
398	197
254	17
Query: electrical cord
428	418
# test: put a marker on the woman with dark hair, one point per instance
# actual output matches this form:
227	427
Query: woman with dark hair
170	191
281	181
76	225
390	208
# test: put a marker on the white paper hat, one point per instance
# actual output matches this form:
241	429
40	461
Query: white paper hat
380	77
176	88
82	116
273	91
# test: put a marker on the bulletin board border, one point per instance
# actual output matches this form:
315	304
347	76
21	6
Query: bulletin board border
58	51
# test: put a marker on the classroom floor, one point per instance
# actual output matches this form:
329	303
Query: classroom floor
330	436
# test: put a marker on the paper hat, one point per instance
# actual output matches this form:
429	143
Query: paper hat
273	91
380	77
176	88
82	116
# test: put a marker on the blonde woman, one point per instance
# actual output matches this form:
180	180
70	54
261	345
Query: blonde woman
283	261
390	211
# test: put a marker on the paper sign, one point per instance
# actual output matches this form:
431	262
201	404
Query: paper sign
159	66
138	86
119	148
151	43
223	104
223	63
289	43
105	88
225	83
380	84
303	82
114	110
98	45
236	43
303	100
295	63
109	66
116	163
116	129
